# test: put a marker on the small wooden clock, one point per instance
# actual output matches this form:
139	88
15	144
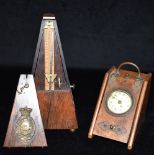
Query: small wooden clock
121	104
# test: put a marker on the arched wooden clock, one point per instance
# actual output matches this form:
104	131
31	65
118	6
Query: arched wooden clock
121	104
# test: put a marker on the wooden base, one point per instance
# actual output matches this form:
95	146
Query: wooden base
57	109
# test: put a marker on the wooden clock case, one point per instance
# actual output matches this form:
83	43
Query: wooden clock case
123	127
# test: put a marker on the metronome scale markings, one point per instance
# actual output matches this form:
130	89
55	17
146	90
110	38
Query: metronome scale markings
49	52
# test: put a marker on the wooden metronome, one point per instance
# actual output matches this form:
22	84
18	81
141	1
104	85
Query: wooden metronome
25	127
121	104
51	79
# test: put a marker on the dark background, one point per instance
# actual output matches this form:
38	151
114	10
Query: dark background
95	35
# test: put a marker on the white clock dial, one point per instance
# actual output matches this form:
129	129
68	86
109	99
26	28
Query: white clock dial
119	102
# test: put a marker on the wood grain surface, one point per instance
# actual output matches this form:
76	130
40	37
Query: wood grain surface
56	103
128	121
27	98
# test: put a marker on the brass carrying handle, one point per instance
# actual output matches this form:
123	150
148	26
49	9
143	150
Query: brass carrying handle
129	63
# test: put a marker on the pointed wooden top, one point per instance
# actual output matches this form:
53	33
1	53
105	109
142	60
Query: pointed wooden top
48	16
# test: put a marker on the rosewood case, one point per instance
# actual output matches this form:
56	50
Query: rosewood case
55	96
25	127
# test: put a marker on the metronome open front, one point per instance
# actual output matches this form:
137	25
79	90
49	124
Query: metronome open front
121	104
51	79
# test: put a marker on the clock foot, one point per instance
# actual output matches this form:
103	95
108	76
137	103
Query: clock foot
129	147
72	130
90	136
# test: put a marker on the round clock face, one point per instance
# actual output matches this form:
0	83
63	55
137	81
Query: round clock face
119	102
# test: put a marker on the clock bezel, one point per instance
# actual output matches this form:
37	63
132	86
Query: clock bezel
124	113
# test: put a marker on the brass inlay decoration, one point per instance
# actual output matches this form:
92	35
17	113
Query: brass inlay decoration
106	126
25	126
49	78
